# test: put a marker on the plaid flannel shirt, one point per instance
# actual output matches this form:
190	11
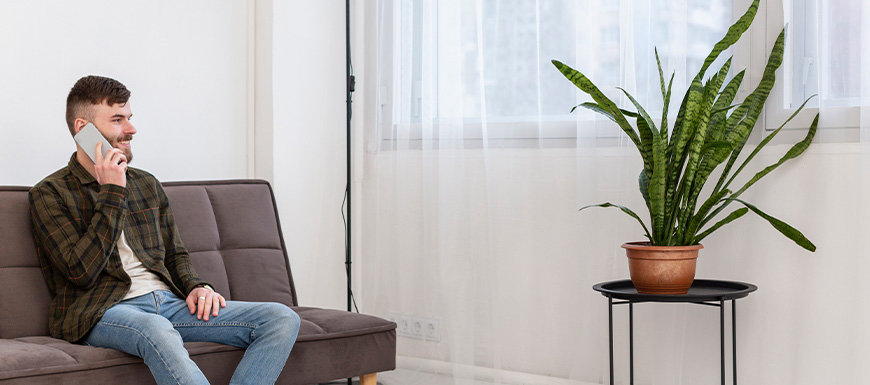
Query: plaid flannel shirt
76	224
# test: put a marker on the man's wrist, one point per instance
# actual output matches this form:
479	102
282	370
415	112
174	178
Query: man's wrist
205	285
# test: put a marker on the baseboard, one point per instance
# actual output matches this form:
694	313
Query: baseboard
481	373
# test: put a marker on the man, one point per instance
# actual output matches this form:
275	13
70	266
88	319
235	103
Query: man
117	270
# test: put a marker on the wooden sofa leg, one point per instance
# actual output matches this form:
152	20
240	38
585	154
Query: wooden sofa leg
368	379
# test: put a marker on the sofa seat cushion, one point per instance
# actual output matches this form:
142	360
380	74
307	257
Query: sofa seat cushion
39	356
33	356
325	324
19	355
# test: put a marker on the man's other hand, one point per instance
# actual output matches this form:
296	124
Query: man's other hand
204	302
111	168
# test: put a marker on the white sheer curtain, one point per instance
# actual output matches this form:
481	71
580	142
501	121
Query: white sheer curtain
474	170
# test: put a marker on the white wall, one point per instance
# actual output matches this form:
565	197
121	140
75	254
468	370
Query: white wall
205	100
309	143
184	61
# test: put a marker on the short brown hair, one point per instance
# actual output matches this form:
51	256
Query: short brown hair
90	91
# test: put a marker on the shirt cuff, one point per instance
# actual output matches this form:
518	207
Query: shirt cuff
112	195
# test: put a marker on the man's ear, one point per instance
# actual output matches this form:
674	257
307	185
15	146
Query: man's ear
79	124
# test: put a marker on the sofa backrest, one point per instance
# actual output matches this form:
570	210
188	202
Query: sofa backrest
231	229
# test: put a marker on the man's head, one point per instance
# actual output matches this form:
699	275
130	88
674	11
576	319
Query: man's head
105	103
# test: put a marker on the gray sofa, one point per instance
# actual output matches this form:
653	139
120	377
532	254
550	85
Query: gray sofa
232	231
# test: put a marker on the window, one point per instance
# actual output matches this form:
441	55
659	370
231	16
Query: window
472	69
824	48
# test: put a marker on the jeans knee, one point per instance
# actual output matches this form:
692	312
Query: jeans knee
286	320
157	339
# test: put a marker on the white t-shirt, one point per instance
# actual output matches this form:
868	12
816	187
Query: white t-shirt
143	281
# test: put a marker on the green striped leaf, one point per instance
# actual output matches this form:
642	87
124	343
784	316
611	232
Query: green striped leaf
595	107
640	111
586	85
643	184
784	228
646	148
687	183
810	134
661	73
656	185
649	137
731	37
716	130
752	106
657	188
792	153
696	222
664	127
684	131
728	219
625	210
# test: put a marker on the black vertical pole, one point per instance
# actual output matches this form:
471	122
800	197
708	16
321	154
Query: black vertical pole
631	343
610	333
349	85
734	338
722	337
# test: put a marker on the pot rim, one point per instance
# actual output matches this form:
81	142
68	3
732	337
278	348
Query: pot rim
645	245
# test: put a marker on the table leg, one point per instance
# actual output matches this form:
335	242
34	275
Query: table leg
734	338
610	330
631	342
722	337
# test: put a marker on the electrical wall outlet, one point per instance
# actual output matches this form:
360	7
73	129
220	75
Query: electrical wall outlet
422	328
431	329
402	324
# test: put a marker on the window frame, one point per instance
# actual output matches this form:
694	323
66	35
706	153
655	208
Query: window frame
837	124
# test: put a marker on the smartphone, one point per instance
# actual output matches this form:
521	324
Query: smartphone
88	138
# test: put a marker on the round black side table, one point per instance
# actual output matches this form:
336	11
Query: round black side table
703	292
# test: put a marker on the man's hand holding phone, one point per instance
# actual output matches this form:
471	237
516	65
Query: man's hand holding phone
112	168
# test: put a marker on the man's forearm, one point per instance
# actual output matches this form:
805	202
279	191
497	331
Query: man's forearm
182	272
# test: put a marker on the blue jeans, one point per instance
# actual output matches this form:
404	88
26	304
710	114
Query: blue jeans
154	327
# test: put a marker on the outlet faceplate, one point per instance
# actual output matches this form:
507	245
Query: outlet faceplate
423	328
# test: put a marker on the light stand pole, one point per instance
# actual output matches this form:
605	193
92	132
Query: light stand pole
350	89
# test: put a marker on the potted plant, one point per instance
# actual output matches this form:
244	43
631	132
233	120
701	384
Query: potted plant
710	129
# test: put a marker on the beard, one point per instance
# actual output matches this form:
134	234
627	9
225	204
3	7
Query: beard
128	152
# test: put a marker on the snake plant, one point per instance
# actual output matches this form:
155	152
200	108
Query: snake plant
710	129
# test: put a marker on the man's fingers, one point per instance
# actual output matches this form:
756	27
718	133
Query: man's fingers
216	304
116	157
200	305
98	154
191	303
209	301
223	301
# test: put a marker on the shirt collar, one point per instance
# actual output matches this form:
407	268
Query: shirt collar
79	171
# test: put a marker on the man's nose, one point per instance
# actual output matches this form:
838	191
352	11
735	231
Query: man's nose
129	129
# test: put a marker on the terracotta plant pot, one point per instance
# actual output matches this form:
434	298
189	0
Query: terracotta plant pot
661	269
